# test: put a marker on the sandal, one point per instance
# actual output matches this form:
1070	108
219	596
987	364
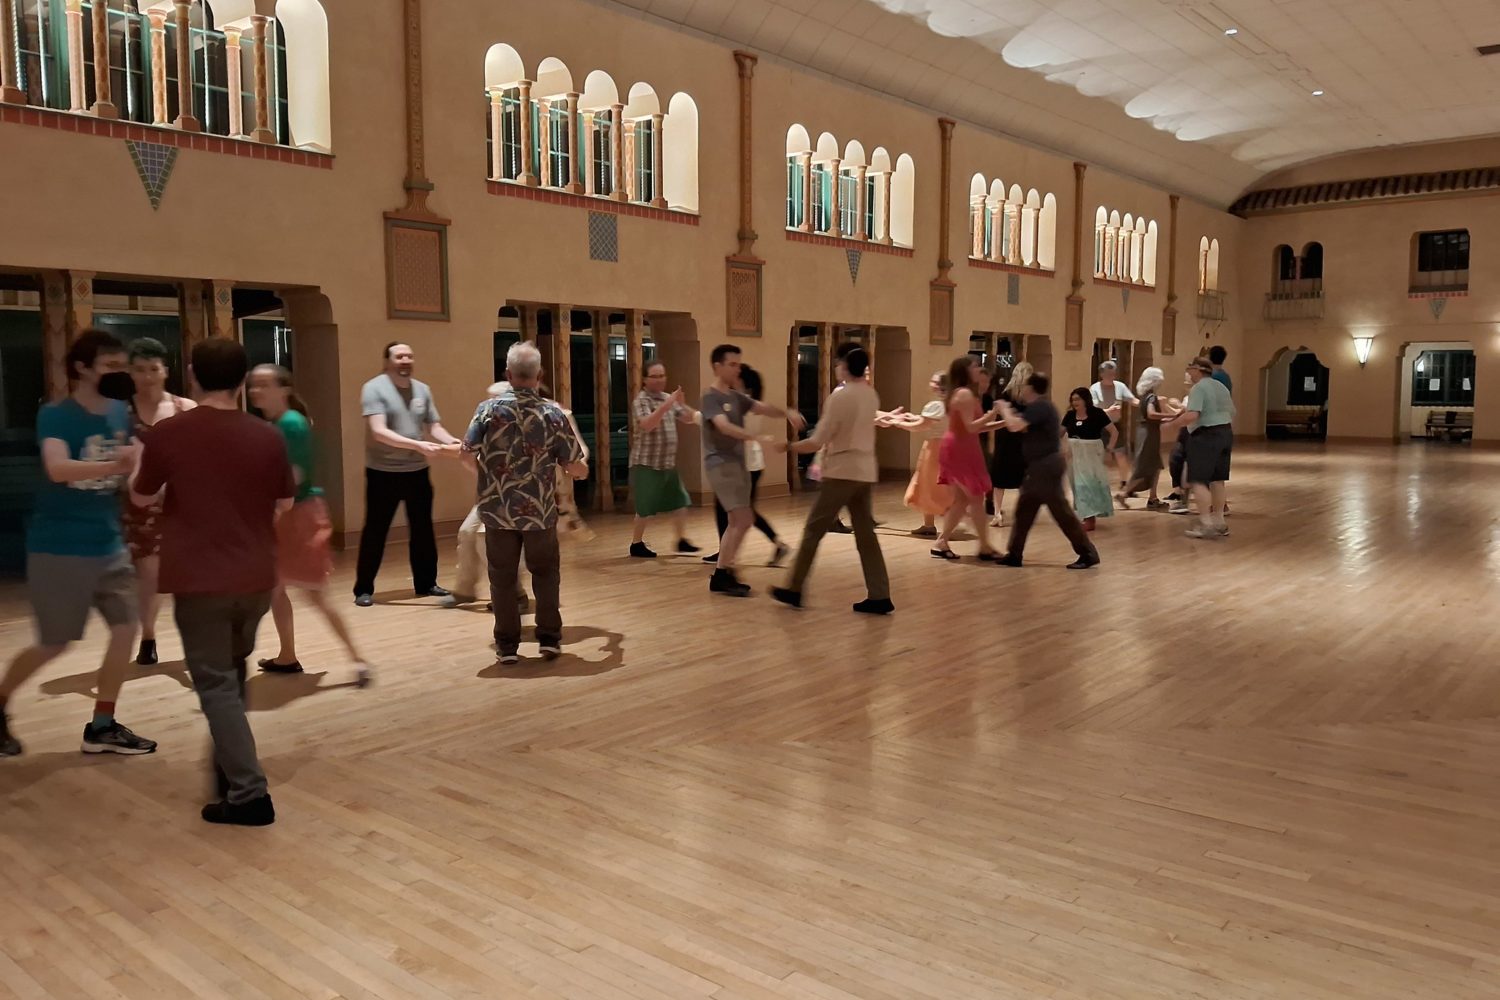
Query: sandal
948	554
990	556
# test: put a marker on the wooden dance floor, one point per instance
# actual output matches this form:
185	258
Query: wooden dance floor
1266	768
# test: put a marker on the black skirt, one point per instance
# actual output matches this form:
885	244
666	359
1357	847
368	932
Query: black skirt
1007	463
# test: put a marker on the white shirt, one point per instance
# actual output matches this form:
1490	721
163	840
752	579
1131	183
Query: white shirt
1122	395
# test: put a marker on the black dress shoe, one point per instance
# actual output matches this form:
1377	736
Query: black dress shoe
638	550
711	558
270	666
725	582
791	598
1085	562
1008	560
435	591
363	600
686	547
840	528
874	606
146	656
256	812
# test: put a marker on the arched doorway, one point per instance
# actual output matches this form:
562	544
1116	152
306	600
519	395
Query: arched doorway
1296	386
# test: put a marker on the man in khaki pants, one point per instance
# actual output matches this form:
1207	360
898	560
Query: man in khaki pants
846	433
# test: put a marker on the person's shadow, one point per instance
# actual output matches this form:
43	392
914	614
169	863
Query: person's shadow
586	652
263	692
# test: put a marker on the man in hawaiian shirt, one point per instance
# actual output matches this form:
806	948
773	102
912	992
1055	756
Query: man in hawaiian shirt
520	440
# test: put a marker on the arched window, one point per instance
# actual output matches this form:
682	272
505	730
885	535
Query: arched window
1285	263
979	218
680	154
851	182
1148	253
1101	242
1124	249
552	124
597	107
823	158
1208	265
798	163
642	133
1046	244
1312	262
309	119
903	200
1030	217
878	189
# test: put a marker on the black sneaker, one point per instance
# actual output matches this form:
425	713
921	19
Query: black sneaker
435	591
724	582
146	655
364	600
256	812
686	547
638	550
791	598
1085	562
840	528
511	658
115	738
1008	560
9	745
270	666
782	551
711	558
550	651
872	606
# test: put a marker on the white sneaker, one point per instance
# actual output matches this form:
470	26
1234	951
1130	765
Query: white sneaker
1203	532
1178	507
550	652
510	658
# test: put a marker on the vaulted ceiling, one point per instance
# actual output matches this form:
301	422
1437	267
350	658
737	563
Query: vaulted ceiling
1151	88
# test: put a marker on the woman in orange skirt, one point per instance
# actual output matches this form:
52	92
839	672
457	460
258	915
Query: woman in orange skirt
304	557
924	493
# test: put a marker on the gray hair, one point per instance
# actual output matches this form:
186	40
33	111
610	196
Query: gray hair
1150	379
1108	366
523	360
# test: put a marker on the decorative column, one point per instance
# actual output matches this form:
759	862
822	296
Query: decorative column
577	158
658	144
604	491
10	93
185	119
745	64
586	154
544	143
259	29
158	19
1073	326
1169	314
528	136
218	301
497	129
941	289
104	105
629	168
861	208
835	200
57	319
191	315
76	95
826	347
617	152
634	362
232	55
976	222
997	242
562	356
807	192
885	207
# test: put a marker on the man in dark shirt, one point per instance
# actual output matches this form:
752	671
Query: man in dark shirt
1041	443
227	476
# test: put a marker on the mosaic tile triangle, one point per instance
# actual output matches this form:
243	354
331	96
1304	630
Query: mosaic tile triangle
855	256
153	163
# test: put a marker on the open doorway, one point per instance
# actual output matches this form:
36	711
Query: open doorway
1296	395
1437	392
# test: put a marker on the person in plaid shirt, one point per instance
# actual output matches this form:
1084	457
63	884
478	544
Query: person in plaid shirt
521	439
654	484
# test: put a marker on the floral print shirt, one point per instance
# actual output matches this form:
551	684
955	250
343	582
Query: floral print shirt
522	441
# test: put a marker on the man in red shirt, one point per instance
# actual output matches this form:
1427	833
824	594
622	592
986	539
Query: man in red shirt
227	476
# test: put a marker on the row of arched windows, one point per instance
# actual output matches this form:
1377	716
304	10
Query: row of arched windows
1208	265
144	38
543	131
847	194
1124	249
1011	227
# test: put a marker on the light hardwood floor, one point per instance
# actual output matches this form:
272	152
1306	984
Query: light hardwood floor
1265	768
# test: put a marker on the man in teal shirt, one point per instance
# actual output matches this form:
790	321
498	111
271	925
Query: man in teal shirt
1208	416
75	556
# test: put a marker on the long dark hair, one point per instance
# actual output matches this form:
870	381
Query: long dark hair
958	374
754	386
284	379
1089	406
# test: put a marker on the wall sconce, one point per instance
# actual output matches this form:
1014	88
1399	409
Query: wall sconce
1362	349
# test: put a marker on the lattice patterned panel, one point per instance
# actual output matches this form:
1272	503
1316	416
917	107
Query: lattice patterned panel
604	237
940	316
1013	290
417	270
744	300
1169	333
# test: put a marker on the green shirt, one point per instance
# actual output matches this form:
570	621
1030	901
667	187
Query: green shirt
299	449
1211	401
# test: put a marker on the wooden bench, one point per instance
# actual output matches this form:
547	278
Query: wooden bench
1455	425
1308	421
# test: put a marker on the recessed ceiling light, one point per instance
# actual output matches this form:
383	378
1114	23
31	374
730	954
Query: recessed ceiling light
1231	31
1317	93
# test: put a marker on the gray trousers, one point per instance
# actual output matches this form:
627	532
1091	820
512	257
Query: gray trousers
218	636
833	496
504	550
1043	485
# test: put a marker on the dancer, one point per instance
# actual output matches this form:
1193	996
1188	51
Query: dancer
227	477
1112	397
724	438
151	404
570	523
924	493
986	390
846	434
961	461
755	462
1217	355
1154	411
1044	475
1007	463
655	487
303	557
470	545
75	557
1091	437
1207	415
521	441
1177	462
404	430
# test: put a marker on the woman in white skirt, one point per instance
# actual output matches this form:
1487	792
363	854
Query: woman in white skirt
1091	436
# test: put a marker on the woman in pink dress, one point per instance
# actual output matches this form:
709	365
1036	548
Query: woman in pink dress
961	462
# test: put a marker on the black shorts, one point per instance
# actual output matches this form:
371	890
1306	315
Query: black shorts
1208	454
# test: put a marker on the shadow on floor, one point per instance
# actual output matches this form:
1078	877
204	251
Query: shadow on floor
586	652
263	692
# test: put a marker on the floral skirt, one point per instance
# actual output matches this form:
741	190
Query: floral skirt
1091	496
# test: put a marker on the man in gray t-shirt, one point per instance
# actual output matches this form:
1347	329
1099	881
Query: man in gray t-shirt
403	430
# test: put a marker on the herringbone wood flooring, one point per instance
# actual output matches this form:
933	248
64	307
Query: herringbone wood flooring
1261	769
